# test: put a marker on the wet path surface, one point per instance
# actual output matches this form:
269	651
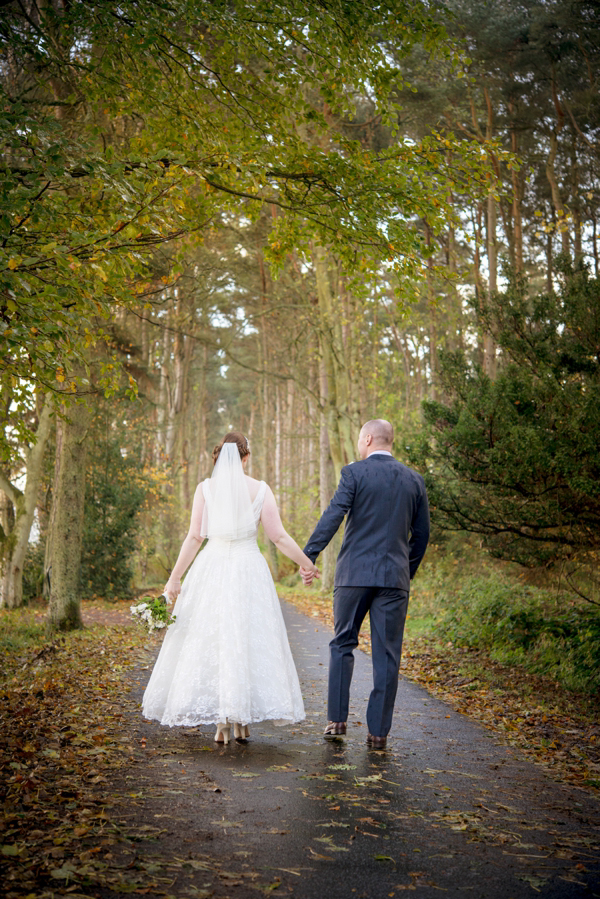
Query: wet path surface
448	808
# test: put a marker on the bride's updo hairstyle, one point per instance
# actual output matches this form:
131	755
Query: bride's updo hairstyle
233	437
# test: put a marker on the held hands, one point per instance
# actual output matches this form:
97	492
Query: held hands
309	574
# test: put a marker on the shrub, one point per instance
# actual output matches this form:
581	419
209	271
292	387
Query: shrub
516	459
522	625
33	572
113	499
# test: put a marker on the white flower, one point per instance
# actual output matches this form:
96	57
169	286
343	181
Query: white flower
153	617
139	608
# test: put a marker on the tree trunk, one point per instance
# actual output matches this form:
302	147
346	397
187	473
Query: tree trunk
7	520
67	520
336	408
556	197
312	449
455	298
489	345
517	186
433	349
575	201
163	400
24	503
550	262
203	451
182	351
277	448
477	279
327	563
289	463
250	436
266	407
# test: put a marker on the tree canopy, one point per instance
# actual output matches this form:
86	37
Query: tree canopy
127	125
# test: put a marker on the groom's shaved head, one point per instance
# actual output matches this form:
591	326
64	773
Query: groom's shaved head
381	431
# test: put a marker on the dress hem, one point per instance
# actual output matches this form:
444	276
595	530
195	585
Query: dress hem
196	722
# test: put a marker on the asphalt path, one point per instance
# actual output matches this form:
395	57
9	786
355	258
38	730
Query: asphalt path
447	809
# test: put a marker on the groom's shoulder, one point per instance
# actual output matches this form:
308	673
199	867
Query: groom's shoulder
415	478
366	467
410	472
389	463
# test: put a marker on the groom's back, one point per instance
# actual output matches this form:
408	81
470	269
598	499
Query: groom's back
387	524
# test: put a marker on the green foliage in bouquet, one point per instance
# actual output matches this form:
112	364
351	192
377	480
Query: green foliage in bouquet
153	613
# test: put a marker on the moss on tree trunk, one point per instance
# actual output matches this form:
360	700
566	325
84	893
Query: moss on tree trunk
67	521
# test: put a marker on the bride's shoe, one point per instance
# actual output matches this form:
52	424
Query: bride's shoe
222	734
240	732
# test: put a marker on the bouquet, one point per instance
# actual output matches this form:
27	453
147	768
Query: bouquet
153	613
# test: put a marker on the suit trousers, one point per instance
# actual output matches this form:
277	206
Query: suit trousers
387	608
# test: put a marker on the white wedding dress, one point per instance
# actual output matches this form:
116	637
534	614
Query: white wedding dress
227	656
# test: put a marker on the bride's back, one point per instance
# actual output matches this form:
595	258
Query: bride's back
253	487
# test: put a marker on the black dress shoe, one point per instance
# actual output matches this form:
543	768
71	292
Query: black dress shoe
335	730
376	742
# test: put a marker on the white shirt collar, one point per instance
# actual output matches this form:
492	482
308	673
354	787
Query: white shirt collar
380	453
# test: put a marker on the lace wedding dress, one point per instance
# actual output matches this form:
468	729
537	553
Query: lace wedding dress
227	655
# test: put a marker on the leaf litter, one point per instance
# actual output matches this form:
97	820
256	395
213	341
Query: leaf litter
65	751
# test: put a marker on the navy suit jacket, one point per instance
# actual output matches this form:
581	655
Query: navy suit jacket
387	527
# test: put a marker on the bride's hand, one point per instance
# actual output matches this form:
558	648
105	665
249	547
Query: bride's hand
172	589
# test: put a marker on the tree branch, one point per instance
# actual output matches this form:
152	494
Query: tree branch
13	493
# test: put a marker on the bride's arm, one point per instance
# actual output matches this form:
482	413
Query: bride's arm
189	547
275	531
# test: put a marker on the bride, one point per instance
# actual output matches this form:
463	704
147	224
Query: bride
226	659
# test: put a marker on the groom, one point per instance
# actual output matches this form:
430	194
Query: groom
386	534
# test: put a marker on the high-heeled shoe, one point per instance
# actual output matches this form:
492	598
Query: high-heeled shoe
222	734
240	732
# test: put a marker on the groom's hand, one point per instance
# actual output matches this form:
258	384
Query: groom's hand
307	576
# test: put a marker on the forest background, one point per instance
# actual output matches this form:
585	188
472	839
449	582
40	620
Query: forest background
288	218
